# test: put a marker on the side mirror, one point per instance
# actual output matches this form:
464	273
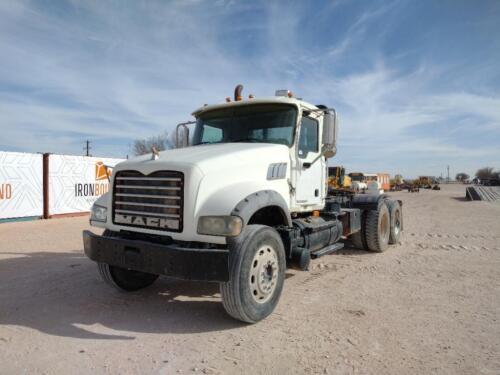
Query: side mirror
330	131
182	134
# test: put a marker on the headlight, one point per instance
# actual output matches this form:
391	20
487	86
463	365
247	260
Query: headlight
98	213
220	225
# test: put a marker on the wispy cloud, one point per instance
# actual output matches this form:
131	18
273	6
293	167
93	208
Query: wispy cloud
114	71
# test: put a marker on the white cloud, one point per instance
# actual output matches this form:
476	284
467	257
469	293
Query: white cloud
122	72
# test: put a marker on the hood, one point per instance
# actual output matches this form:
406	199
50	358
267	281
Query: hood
215	156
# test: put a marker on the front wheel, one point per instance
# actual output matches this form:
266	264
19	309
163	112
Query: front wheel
125	280
257	272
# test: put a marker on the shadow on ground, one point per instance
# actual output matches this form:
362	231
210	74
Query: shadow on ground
461	199
62	294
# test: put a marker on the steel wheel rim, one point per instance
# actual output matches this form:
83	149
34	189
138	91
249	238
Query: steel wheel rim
397	223
384	225
264	274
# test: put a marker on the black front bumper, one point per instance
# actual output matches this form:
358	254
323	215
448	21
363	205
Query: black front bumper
169	260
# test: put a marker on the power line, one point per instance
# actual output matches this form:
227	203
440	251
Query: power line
87	148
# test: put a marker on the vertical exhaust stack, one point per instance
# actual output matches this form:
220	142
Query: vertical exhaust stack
237	93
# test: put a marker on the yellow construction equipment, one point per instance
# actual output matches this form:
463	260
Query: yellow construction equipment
424	182
337	178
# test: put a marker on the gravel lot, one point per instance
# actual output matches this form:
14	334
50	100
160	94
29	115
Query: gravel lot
429	305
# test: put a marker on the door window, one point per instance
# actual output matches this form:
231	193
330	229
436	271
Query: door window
308	140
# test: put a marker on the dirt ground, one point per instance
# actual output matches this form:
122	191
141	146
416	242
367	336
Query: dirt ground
428	305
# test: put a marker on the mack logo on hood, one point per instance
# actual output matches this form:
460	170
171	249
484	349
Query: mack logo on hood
145	221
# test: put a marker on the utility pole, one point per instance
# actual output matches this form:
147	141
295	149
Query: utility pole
87	148
448	178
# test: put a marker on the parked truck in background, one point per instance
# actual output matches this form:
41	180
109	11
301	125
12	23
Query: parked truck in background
385	181
247	199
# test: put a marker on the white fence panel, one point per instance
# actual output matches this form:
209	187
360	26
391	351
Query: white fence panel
75	182
21	191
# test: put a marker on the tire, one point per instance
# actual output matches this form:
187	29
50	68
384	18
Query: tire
396	215
378	225
358	239
257	265
123	279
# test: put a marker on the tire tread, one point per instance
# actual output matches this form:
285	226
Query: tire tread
358	239
231	292
373	240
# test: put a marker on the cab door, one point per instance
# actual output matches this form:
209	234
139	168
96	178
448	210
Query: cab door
310	176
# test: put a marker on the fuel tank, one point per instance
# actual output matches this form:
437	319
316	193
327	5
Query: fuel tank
317	233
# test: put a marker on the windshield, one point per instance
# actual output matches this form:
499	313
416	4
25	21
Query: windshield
265	123
356	177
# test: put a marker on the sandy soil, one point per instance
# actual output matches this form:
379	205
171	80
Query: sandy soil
429	305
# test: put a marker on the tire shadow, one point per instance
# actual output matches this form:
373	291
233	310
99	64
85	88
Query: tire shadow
62	294
350	250
461	199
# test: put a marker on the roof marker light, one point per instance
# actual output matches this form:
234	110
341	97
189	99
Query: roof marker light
283	93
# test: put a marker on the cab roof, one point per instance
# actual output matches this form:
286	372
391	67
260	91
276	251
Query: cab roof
270	100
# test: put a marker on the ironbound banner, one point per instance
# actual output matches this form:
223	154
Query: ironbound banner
20	185
75	182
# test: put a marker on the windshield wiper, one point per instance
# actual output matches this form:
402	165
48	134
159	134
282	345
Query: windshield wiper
205	143
248	140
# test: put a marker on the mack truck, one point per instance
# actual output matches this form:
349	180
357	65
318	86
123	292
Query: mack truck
243	199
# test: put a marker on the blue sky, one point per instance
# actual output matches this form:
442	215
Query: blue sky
416	83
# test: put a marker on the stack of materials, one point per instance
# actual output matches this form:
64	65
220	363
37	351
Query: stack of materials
483	193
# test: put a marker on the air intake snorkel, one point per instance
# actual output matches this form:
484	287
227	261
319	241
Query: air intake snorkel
237	93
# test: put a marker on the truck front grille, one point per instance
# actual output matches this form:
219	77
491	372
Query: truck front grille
153	201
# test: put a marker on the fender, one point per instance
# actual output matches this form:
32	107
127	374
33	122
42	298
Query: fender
104	200
254	202
367	201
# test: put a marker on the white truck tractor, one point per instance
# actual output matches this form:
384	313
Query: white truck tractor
247	199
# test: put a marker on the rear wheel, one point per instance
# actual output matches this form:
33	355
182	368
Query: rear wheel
358	239
396	221
378	227
121	278
257	272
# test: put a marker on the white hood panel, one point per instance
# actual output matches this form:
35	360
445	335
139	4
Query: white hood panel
208	157
216	178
